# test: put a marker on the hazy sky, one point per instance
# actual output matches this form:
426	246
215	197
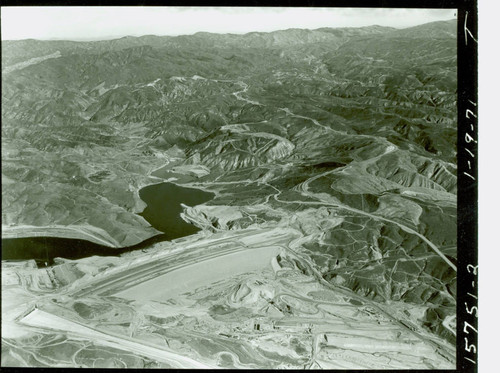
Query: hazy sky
89	23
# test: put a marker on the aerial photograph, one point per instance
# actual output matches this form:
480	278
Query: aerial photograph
229	187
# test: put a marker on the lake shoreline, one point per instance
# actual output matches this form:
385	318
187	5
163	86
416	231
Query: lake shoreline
44	244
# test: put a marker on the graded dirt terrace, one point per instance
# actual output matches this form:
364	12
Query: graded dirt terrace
231	292
203	272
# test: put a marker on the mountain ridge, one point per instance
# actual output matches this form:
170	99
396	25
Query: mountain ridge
14	51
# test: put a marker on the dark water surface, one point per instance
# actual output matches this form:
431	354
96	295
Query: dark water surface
44	249
162	212
164	207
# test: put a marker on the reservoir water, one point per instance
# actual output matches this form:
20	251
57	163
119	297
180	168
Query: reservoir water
162	212
164	207
44	249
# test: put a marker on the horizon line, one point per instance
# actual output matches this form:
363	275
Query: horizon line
117	37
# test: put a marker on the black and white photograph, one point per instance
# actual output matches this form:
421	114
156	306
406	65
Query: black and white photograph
239	187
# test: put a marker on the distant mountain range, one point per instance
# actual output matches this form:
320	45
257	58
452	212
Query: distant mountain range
20	50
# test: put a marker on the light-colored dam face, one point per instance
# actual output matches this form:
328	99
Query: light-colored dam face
191	277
